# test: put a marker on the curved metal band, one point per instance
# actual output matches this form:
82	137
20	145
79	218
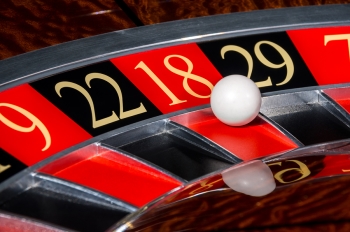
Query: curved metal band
45	62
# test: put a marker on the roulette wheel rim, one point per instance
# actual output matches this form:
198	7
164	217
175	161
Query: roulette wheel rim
69	56
102	47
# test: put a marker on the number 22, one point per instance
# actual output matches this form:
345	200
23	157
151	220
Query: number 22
113	118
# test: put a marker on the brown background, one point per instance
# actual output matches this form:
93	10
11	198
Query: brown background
27	25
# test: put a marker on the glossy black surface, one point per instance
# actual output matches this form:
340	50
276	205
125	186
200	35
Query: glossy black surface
63	209
9	165
311	123
176	155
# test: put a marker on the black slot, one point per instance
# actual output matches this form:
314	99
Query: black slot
63	210
10	164
176	155
311	123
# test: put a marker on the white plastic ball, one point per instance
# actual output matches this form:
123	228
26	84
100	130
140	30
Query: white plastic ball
235	100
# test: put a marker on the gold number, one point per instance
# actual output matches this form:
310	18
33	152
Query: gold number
204	186
249	60
98	123
165	89
287	60
303	169
4	168
95	123
36	123
243	52
122	114
328	38
187	75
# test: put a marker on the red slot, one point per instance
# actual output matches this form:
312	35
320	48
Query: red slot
172	78
113	173
326	52
251	141
32	128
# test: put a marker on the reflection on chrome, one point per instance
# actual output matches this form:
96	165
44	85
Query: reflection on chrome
253	178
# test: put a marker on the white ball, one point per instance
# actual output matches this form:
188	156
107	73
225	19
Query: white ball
235	100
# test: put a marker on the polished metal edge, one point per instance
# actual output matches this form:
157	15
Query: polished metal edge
328	148
44	226
59	58
7	183
318	149
144	162
281	130
84	193
289	99
49	61
164	126
202	142
336	109
126	222
139	133
272	103
64	187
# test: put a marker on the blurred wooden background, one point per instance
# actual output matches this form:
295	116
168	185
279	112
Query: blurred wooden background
27	25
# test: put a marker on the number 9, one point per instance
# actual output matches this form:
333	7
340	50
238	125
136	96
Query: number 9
287	60
36	123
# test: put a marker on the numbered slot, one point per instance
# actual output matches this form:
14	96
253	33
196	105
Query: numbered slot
326	52
30	124
270	60
63	203
173	149
309	116
98	97
172	78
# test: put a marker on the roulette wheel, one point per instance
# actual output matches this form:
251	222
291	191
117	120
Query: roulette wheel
114	132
